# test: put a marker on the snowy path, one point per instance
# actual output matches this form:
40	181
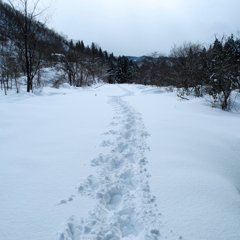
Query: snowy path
125	208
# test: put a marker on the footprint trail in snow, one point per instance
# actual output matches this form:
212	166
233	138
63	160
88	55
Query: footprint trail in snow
125	208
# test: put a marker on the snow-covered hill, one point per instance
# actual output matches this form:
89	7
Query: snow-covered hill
136	59
117	162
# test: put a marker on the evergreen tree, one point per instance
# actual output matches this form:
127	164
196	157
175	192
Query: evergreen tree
71	45
100	53
219	81
94	49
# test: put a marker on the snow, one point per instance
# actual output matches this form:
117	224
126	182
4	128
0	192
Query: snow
117	162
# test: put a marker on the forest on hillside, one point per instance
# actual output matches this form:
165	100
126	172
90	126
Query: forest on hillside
28	47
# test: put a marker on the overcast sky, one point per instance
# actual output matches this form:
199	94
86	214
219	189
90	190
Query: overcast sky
140	27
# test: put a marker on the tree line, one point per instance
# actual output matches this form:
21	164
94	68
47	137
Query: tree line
28	46
212	71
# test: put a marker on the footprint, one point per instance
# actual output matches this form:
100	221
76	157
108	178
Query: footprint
128	180
106	143
90	185
116	163
121	147
113	124
112	197
128	223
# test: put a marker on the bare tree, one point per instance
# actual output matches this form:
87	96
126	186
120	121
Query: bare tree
30	35
187	66
7	66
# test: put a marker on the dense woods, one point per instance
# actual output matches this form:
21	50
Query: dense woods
196	70
28	47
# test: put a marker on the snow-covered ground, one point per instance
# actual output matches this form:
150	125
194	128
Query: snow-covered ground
117	162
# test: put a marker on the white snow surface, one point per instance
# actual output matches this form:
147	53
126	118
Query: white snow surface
117	162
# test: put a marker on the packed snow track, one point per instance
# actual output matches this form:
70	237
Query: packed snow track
125	208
